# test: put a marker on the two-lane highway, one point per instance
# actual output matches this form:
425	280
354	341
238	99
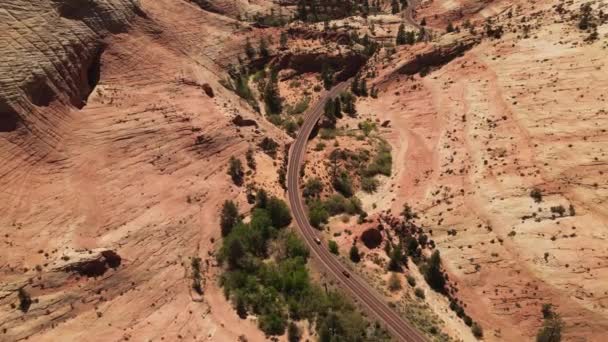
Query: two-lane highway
355	285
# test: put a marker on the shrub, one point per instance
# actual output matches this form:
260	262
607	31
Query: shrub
369	184
419	293
551	331
411	280
317	214
229	217
537	195
476	329
25	300
279	212
333	247
235	170
343	184
313	187
354	254
196	275
269	146
432	273
394	284
250	159
382	163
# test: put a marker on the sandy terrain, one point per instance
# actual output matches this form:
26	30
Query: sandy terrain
140	169
472	139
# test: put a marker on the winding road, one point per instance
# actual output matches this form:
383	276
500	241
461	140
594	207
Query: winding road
355	285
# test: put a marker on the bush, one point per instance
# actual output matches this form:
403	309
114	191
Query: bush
382	163
369	184
313	187
476	329
250	159
333	247
432	273
354	254
537	195
269	146
279	212
419	293
235	170
411	280
394	284
25	300
317	214
196	275
229	217
551	331
343	184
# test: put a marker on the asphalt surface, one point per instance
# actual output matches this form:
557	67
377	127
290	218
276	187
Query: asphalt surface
353	284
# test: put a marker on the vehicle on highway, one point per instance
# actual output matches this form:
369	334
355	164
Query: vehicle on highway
318	241
346	274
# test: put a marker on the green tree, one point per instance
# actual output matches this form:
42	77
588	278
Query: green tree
354	254
551	331
279	212
333	247
327	75
317	214
229	217
343	184
337	108
396	259
272	98
432	273
313	188
329	111
450	27
235	170
401	36
250	159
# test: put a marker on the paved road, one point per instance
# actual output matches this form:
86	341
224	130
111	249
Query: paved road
355	285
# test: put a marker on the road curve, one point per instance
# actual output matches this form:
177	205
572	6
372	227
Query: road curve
355	285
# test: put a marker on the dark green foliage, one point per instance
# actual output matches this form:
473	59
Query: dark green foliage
333	247
419	293
279	212
278	286
337	108
269	146
450	27
261	199
476	329
551	331
369	184
235	170
343	184
317	214
382	163
397	259
354	254
313	188
433	274
330	112
348	104
327	75
229	217
401	36
536	195
408	213
196	275
272	98
250	159
411	280
25	300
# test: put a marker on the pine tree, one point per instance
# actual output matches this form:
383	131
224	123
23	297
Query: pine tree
363	88
327	76
450	27
401	35
354	254
338	108
229	217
